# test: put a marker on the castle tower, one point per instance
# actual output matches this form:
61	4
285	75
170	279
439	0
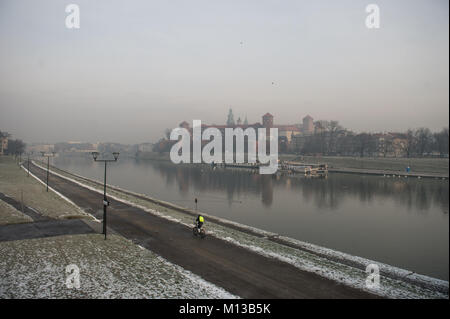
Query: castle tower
308	125
267	120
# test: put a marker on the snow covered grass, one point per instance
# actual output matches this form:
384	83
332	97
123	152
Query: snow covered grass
113	268
15	183
328	263
10	215
81	213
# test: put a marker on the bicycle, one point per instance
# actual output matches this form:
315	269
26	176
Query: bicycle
198	232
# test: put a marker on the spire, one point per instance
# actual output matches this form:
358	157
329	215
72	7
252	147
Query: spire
230	120
245	121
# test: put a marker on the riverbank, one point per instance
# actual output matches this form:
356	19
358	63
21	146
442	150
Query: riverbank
387	173
367	165
15	183
339	267
419	167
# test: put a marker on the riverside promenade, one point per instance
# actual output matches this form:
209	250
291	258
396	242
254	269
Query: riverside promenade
247	262
236	269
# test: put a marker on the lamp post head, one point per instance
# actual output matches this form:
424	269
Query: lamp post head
94	155
116	155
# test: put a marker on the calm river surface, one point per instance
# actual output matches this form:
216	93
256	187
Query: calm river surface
399	221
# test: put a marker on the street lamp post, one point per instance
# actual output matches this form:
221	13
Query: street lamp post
48	162
28	164
105	200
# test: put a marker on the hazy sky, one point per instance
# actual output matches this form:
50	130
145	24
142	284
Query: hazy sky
135	68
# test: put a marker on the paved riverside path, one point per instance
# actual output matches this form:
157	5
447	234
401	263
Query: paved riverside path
238	270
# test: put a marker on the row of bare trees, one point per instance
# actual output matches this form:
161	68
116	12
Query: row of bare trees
331	139
15	146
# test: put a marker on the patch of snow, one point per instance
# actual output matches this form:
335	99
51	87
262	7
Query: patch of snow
115	268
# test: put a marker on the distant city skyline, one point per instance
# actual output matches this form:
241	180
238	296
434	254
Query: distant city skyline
305	121
135	68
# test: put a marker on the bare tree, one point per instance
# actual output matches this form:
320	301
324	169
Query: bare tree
409	145
4	134
15	147
334	129
167	133
424	141
345	143
365	144
441	141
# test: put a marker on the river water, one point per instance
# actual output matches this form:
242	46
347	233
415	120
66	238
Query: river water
399	221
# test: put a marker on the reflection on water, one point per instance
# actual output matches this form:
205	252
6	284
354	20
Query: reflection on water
323	192
399	221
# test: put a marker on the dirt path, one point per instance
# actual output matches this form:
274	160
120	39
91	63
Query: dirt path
236	269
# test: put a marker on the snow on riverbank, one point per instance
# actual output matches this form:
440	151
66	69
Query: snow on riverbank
113	268
10	215
15	184
337	266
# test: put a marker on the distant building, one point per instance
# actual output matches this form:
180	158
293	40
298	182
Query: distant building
399	144
38	148
290	136
286	132
308	125
3	145
390	144
145	147
320	127
74	147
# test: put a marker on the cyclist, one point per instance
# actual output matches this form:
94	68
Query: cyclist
199	222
